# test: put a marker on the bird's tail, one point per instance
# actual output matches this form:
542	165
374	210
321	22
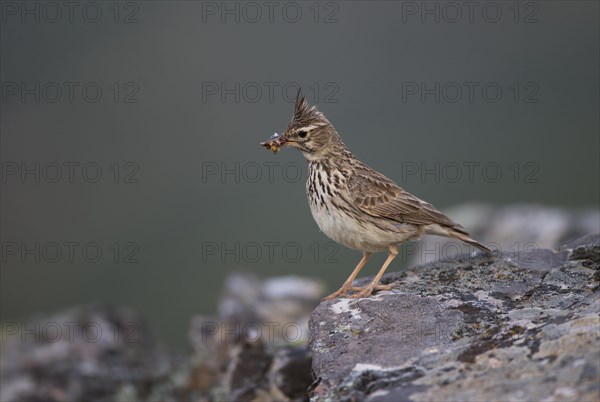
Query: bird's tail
456	232
465	237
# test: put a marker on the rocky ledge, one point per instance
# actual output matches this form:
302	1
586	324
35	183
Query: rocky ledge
511	327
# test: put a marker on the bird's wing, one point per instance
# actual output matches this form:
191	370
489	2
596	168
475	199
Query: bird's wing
378	196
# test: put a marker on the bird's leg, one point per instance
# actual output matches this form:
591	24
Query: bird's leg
348	284
374	285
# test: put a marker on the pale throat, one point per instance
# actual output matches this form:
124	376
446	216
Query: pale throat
313	156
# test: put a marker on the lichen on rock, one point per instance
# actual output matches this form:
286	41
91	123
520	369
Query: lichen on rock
470	328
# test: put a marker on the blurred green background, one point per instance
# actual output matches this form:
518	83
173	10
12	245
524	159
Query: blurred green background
185	193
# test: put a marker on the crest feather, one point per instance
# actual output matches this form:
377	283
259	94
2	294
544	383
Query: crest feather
303	111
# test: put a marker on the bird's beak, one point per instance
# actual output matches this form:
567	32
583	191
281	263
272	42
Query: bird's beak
274	143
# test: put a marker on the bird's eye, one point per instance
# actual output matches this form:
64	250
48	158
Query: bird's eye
302	134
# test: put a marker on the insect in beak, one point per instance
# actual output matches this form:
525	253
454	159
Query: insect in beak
274	143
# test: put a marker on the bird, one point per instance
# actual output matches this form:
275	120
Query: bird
355	205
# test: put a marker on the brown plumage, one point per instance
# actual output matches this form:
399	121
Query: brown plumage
355	205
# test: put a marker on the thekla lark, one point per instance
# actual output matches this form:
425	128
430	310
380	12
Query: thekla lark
355	205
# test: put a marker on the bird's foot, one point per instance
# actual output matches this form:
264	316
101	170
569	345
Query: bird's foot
368	290
363	292
343	291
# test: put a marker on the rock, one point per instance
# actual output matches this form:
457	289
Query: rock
106	354
90	354
522	325
246	377
290	375
281	300
516	326
256	349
